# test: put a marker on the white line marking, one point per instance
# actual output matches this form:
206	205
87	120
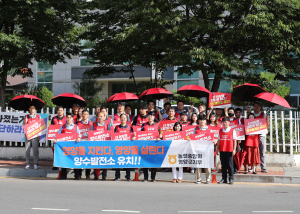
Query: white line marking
199	211
272	211
121	211
50	209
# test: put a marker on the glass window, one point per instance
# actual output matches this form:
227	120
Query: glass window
225	85
86	62
295	86
212	75
181	83
45	76
44	66
185	76
47	85
293	101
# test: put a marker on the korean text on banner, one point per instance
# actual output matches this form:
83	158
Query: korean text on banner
99	135
166	125
172	135
189	130
52	130
122	136
84	131
202	136
215	131
35	129
256	126
67	136
145	135
240	131
220	100
134	154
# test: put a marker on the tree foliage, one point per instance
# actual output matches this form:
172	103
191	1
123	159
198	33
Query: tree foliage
196	35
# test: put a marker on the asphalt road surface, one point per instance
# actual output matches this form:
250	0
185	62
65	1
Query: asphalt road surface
68	196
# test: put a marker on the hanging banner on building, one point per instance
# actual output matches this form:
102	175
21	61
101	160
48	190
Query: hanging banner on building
11	126
219	100
256	126
52	130
145	135
134	154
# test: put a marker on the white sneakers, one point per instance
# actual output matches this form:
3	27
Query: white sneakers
198	181
35	167
193	171
27	166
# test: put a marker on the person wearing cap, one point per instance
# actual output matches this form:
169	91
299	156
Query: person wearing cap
69	127
227	148
262	137
180	109
203	129
75	109
128	112
32	117
167	105
97	110
60	119
183	119
151	126
151	107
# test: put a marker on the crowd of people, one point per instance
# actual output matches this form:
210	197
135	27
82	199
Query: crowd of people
149	118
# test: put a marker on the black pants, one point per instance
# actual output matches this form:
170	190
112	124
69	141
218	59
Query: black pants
63	172
153	173
118	173
235	168
79	172
104	173
227	164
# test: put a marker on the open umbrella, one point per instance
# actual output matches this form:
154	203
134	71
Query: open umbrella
68	99
155	94
193	91
239	158
122	97
22	102
247	91
273	98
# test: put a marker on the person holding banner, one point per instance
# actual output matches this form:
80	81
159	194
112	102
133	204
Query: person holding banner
128	112
183	119
34	142
75	109
69	127
201	129
171	116
177	128
122	128
251	147
262	137
180	109
151	107
60	119
227	148
97	110
167	105
100	125
151	126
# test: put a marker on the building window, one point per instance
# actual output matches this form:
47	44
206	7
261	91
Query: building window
225	84
181	83
83	59
45	75
195	75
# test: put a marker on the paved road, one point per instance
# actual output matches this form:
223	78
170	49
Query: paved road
69	196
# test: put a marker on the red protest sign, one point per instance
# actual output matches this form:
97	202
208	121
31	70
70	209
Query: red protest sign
256	126
203	136
189	130
143	135
215	131
136	128
122	136
219	99
67	136
33	130
240	131
84	131
172	135
52	130
167	125
99	135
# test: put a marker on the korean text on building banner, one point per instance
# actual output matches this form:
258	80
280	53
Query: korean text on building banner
256	126
11	126
52	130
240	131
134	154
220	100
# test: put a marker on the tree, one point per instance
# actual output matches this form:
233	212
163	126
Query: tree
208	36
41	92
43	30
89	89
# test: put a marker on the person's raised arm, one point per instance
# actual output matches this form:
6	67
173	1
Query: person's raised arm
210	110
159	114
226	111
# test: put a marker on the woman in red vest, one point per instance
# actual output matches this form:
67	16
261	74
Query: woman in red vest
177	127
227	148
251	147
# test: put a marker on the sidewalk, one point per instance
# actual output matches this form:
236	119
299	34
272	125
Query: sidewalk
288	175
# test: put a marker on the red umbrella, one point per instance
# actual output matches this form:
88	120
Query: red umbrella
273	98
22	102
68	99
155	94
193	91
247	91
239	159
122	97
